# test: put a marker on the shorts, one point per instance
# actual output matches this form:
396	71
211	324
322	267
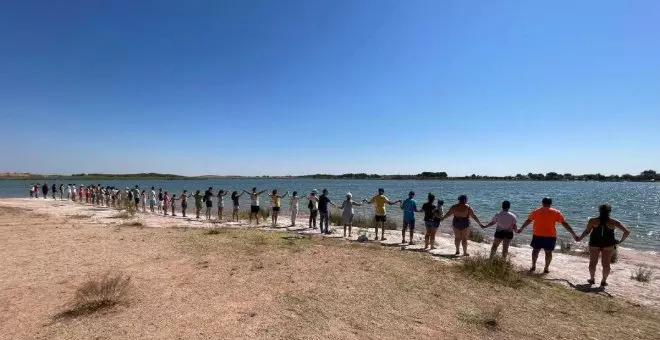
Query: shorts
209	203
543	242
254	209
504	234
431	224
410	223
276	208
160	203
236	206
137	201
152	203
184	205
381	218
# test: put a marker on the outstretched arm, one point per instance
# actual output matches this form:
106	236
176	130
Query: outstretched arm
474	216
449	213
527	222
261	192
285	194
570	230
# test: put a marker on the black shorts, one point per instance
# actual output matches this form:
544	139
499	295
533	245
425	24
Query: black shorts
137	200
409	224
254	209
209	203
544	242
381	218
504	234
276	208
432	224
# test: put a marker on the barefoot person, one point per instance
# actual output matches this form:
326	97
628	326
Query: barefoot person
461	223
347	213
506	225
432	216
409	207
166	202
44	190
143	200
235	199
54	190
173	204
379	202
602	242
198	202
275	205
254	204
313	207
208	199
294	208
544	235
324	213
152	200
184	202
221	203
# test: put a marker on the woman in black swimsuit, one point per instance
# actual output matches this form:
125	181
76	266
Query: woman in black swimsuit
461	223
602	242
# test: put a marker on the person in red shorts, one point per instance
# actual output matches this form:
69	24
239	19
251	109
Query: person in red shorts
544	234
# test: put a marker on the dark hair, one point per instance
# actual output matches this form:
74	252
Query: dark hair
506	205
221	192
462	199
234	194
295	193
431	197
325	191
441	203
274	191
604	211
254	189
412	193
152	188
546	201
210	188
381	190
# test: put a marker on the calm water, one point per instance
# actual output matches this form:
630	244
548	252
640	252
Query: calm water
636	204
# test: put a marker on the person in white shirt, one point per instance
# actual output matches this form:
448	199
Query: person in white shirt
152	200
506	226
294	208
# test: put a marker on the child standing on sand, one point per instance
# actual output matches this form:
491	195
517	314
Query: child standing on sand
254	204
221	203
235	197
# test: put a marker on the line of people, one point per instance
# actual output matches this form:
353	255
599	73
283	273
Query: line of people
544	219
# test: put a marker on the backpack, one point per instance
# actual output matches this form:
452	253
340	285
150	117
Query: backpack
310	205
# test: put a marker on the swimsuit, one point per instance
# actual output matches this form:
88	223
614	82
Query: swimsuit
602	236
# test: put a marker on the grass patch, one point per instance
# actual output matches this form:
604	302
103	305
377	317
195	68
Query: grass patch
96	294
489	319
566	245
133	224
122	215
496	270
642	274
213	231
362	222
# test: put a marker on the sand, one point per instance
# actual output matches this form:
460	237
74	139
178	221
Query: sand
569	270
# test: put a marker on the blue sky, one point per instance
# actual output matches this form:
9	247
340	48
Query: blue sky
296	87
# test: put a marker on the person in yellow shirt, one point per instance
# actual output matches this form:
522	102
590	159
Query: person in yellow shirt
379	202
275	205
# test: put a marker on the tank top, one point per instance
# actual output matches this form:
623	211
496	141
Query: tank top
602	236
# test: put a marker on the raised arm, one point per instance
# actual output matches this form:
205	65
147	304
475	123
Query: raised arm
260	192
623	228
570	230
285	195
527	222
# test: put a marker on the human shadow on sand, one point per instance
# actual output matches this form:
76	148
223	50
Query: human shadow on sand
585	288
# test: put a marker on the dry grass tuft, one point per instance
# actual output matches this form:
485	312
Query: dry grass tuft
478	236
122	215
496	270
489	319
132	224
213	231
642	274
97	294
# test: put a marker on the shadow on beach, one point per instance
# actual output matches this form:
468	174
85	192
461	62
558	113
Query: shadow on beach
585	288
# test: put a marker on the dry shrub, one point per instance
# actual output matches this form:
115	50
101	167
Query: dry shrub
477	235
496	270
213	231
99	293
489	319
132	224
642	274
123	215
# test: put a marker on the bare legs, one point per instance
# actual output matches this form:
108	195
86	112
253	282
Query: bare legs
220	212
606	257
548	259
461	238
505	247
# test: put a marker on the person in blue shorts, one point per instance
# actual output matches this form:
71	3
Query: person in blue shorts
409	207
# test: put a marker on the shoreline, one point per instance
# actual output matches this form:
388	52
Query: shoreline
566	269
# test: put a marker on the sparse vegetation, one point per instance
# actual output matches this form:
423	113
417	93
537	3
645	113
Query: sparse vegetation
121	215
96	294
489	319
566	245
478	236
213	231
497	269
642	274
615	256
135	223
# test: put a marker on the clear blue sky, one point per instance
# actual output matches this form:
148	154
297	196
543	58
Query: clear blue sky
315	86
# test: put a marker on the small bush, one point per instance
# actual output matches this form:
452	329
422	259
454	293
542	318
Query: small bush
213	231
335	219
477	236
95	294
642	274
496	269
566	245
122	215
362	222
264	213
259	240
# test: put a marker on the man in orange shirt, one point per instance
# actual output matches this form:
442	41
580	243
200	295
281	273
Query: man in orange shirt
544	235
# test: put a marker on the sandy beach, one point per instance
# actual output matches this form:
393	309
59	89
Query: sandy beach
26	224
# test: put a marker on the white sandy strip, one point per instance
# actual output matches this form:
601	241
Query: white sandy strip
566	269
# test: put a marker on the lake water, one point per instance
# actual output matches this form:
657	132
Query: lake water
636	204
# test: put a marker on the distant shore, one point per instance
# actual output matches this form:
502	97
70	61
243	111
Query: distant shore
645	176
